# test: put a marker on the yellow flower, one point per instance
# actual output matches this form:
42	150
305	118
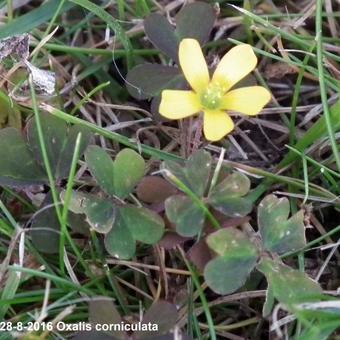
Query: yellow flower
213	96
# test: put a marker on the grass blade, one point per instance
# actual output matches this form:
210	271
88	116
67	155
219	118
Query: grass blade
34	18
110	21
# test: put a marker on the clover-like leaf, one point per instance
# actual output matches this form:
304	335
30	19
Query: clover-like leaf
195	174
162	34
163	314
100	213
225	275
59	140
101	167
185	214
117	177
45	229
236	258
45	226
145	225
195	21
148	80
288	285
119	242
280	234
103	311
231	242
228	196
133	224
18	166
129	168
79	224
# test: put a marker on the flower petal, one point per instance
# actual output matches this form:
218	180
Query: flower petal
234	66
216	124
179	104
193	64
248	100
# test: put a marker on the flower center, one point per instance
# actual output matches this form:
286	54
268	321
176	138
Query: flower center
212	96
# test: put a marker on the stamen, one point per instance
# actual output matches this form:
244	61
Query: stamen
212	96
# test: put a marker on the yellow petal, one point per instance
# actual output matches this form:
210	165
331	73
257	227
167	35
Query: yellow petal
216	124
234	66
179	104
193	64
247	100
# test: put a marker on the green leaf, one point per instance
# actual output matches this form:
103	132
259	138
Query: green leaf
45	231
100	213
195	174
45	228
236	258
185	214
133	224
227	196
231	242
195	21
145	225
289	285
119	242
103	311
224	275
280	234
321	330
162	313
66	153
119	177
17	167
129	168
148	80
78	224
59	139
100	165
162	35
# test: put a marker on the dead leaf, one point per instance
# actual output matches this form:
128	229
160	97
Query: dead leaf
278	70
171	240
43	80
16	47
199	254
